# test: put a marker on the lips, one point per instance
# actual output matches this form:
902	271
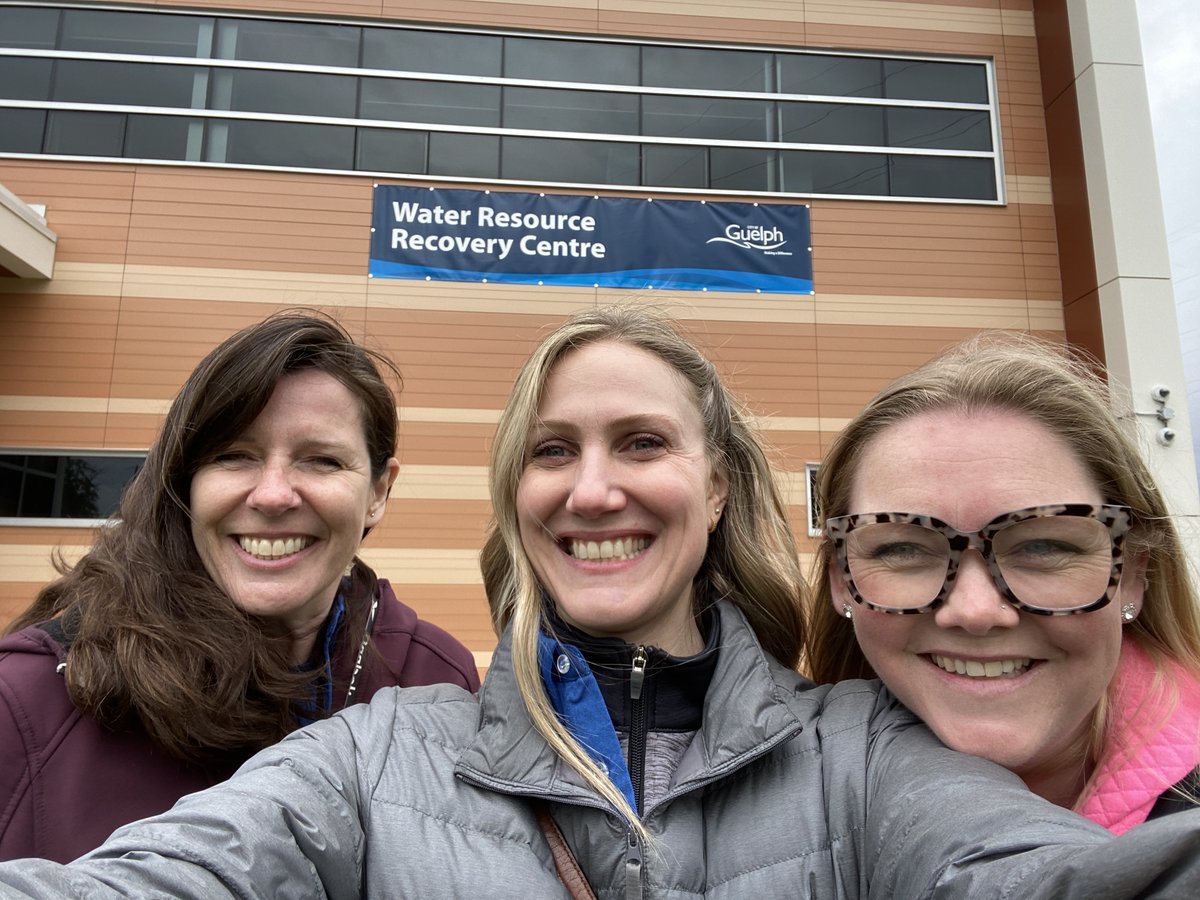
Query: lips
973	668
273	547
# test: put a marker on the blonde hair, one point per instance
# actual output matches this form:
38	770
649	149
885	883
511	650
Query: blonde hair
1043	381
751	558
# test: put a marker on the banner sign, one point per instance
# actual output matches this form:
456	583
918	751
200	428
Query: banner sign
521	238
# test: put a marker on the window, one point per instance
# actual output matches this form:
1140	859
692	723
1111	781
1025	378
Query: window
812	476
458	103
63	489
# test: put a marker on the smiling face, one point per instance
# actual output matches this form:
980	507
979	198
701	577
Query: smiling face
278	515
1016	688
617	495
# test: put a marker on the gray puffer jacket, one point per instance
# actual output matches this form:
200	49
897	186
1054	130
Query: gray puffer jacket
786	791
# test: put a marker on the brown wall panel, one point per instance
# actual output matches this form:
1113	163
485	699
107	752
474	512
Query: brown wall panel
436	524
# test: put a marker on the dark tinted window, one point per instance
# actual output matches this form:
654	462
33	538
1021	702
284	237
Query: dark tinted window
838	76
674	166
915	79
932	176
392	151
431	51
820	172
738	169
101	31
21	130
164	137
288	42
832	123
466	155
433	102
85	133
701	69
593	112
942	129
289	93
288	144
598	162
709	117
28	27
84	81
25	79
540	59
66	487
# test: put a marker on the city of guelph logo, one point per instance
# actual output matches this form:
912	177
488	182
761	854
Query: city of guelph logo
751	237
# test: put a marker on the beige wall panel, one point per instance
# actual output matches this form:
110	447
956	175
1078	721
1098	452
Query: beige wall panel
290	288
460	609
51	429
159	342
130	432
317	223
74	284
87	206
444	443
439	523
15	597
55	345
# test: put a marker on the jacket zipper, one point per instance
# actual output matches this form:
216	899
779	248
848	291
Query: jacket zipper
637	771
637	727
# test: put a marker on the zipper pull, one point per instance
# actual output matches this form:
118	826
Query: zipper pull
638	675
633	867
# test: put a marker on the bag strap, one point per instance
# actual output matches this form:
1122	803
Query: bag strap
569	872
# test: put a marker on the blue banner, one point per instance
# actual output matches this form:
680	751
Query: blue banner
521	238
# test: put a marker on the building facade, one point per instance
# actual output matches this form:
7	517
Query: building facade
174	172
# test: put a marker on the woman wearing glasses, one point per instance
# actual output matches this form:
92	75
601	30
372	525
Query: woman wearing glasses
998	554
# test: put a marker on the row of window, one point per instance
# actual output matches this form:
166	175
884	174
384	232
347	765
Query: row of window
476	105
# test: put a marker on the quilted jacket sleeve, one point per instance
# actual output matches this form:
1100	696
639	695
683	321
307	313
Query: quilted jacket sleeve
941	824
285	826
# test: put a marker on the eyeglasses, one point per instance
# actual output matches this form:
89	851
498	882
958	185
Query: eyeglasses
1057	560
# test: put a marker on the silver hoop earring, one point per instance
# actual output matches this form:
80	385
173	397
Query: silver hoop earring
1128	612
847	611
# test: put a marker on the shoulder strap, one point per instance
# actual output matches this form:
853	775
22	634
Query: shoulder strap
565	863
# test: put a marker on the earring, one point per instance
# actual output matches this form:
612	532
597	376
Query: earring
712	526
847	611
1128	612
1003	606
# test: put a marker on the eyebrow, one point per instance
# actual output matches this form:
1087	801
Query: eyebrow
636	422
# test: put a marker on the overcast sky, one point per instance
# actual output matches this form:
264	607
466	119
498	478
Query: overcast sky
1170	34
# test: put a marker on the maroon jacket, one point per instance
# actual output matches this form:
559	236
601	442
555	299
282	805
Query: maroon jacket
66	783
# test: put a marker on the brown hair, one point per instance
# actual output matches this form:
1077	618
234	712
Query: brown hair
1040	380
751	558
153	639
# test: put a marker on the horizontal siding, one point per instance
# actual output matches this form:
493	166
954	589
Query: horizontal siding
156	264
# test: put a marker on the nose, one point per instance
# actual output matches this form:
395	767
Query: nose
974	603
273	493
595	490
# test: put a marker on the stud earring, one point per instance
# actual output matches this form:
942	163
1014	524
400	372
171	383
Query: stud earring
1128	612
712	526
1003	606
847	611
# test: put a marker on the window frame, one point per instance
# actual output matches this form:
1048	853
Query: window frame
772	150
85	452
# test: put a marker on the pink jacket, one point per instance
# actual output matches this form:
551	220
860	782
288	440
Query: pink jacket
1152	744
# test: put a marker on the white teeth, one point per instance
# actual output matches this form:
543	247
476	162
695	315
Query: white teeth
974	669
267	548
621	548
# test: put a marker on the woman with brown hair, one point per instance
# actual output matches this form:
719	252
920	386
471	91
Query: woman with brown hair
999	554
224	605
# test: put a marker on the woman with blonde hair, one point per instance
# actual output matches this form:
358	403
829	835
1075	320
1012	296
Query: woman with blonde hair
1079	671
641	732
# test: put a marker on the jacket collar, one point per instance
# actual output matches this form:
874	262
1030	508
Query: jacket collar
745	714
